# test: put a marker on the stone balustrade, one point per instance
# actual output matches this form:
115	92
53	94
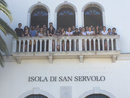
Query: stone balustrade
67	45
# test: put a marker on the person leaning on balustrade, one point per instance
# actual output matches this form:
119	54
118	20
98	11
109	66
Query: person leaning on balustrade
109	31
51	29
97	30
26	32
68	33
76	33
83	33
114	31
58	34
73	29
51	32
19	30
33	31
63	33
104	32
41	33
90	32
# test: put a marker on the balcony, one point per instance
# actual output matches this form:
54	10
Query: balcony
66	47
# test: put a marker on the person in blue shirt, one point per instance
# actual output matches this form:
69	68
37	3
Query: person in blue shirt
33	31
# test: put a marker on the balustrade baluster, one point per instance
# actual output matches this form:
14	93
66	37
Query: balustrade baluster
32	45
40	45
56	45
90	48
28	45
112	44
94	45
50	45
65	44
69	44
108	46
103	44
61	45
36	46
20	45
99	45
45	45
75	44
80	44
23	45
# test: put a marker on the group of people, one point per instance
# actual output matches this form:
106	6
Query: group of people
37	31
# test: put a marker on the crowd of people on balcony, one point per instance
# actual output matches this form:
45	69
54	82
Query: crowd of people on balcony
37	31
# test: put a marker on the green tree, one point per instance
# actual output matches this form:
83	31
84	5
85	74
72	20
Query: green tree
6	29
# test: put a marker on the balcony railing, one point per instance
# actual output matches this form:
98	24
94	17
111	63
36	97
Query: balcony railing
67	45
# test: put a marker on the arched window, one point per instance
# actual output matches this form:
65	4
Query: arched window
39	17
93	16
97	96
36	96
65	18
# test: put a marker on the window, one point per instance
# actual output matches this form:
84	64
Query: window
93	16
97	96
39	17
66	18
36	96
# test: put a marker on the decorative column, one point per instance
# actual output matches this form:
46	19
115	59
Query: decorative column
32	45
40	45
61	45
99	45
19	45
65	43
36	46
86	44
45	45
75	45
80	44
90	45
108	46
102	44
28	45
69	44
94	46
23	45
112	44
55	45
50	45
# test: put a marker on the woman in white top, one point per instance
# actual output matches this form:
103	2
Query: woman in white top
83	32
90	32
69	32
41	33
104	31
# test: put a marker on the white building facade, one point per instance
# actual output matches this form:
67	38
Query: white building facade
92	72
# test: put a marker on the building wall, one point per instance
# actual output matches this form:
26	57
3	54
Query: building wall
14	78
114	14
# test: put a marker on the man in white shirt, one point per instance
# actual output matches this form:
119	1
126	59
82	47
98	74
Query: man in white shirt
90	32
104	31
